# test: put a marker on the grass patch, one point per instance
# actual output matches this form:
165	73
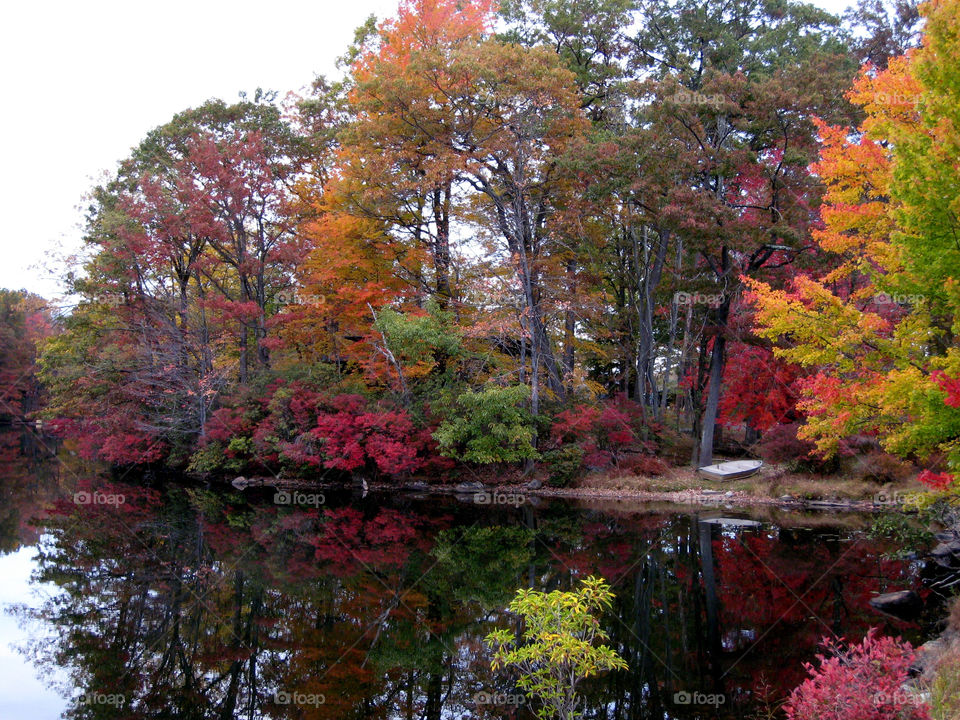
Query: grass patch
770	482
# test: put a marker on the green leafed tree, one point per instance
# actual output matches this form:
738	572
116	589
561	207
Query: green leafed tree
489	426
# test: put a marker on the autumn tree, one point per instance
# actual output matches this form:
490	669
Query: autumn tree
25	321
188	246
493	117
879	331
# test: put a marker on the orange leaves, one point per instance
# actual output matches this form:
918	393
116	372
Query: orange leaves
889	98
351	268
424	25
857	173
856	213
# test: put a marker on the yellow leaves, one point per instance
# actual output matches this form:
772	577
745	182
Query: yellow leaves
890	98
559	643
824	330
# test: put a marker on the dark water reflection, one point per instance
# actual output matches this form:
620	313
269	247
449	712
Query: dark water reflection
190	603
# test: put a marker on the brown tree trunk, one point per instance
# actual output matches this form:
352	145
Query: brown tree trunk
717	359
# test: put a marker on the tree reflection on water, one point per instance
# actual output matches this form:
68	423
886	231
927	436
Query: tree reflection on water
190	603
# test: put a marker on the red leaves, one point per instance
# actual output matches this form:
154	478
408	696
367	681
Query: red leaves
951	386
294	424
354	438
113	437
227	423
575	424
131	448
351	542
606	434
938	481
862	682
759	388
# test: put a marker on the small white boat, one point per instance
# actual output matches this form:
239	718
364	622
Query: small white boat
732	470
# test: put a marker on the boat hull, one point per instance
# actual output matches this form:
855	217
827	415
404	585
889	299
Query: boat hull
733	470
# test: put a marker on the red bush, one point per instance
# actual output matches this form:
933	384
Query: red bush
349	437
780	444
935	480
226	423
861	682
294	423
608	434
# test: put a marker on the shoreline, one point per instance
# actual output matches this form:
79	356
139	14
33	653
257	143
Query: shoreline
721	496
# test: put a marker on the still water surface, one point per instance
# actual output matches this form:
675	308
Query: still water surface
191	603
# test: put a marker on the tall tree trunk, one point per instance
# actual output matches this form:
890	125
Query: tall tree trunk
569	325
668	369
721	315
717	357
263	352
652	270
441	249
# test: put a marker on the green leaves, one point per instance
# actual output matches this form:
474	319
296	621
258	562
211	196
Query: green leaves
489	426
557	648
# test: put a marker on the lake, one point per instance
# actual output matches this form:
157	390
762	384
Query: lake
188	602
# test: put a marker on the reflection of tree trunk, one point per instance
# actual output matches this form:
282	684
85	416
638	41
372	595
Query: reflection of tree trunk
408	689
530	521
253	643
840	609
434	697
643	607
434	704
710	591
665	604
236	666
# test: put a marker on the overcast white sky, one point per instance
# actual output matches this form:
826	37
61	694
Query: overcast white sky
84	81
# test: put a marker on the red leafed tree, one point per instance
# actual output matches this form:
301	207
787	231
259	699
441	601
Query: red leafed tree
190	245
759	388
